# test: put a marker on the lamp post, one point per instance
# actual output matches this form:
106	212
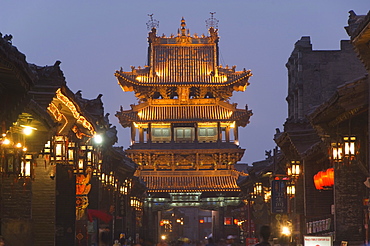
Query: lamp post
294	170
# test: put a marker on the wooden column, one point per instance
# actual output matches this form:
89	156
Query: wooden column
133	133
219	133
172	134
196	133
227	134
141	135
149	133
236	134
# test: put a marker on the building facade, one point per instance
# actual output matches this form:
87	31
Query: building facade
326	132
57	185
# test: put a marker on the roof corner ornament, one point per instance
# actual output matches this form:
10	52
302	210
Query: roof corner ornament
152	23
212	22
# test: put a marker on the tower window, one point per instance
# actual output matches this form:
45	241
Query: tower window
161	134
184	133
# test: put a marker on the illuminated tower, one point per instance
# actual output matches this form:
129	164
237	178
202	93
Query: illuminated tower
184	130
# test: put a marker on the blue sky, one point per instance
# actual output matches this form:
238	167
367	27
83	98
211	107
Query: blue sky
92	39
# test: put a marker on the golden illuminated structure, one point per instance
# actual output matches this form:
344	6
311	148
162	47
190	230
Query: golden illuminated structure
184	131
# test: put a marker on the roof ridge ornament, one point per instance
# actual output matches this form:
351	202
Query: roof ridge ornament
152	23
184	30
212	22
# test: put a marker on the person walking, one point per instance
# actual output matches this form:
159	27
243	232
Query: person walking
162	243
265	233
210	242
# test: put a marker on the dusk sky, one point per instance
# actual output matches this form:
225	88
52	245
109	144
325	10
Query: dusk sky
93	39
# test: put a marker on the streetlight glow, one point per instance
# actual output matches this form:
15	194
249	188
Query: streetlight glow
98	139
285	231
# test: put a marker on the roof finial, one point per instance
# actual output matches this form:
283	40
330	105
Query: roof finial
152	23
183	25
212	22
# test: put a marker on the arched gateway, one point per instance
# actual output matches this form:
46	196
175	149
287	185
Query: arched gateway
184	134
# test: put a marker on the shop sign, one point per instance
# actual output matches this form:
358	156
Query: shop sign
318	241
279	200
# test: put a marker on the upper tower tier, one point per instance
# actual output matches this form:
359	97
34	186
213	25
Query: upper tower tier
183	61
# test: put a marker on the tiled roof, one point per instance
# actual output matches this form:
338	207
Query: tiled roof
190	181
188	80
183	113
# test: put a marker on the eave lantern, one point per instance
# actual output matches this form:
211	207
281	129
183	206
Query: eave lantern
294	169
344	149
349	146
27	166
79	156
290	189
15	159
257	190
60	144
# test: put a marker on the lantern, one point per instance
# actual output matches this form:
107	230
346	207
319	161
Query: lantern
47	148
257	190
336	151
317	181
12	161
59	149
349	146
26	166
72	153
291	189
294	169
324	179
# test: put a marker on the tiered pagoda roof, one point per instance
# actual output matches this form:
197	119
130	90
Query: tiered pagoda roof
178	113
199	181
183	61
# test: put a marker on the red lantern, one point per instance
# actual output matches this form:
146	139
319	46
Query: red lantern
317	181
324	179
330	173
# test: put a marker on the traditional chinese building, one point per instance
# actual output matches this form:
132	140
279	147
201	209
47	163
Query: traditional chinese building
327	134
57	185
184	132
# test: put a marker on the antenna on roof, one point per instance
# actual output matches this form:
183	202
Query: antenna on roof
212	22
152	23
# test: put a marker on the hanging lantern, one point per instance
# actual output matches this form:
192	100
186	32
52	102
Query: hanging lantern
317	181
89	157
47	148
330	173
72	153
59	149
294	169
79	169
97	170
12	161
257	190
291	189
324	179
26	166
336	151
102	179
349	146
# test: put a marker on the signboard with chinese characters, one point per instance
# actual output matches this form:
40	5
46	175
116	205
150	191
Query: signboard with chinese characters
318	241
279	200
